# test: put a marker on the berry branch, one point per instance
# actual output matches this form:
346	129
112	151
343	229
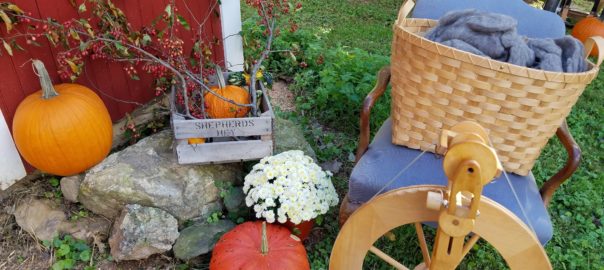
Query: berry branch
156	48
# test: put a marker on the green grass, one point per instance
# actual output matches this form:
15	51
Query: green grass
364	24
354	38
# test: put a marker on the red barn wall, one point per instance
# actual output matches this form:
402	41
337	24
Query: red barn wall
120	93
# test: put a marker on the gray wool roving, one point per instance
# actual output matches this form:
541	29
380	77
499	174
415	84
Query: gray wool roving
494	35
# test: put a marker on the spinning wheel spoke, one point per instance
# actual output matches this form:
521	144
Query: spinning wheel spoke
469	244
387	258
421	238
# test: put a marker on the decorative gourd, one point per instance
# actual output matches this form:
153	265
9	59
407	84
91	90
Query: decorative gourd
62	129
589	27
254	245
259	77
268	79
220	108
243	79
237	78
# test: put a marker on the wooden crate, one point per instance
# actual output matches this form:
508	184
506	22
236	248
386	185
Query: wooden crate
233	139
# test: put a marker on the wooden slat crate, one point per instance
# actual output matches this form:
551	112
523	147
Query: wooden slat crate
232	139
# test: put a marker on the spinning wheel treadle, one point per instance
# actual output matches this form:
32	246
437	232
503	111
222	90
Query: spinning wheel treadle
459	209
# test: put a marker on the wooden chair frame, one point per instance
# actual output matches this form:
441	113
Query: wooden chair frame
547	189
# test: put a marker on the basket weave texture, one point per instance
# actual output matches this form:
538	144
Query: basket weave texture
435	86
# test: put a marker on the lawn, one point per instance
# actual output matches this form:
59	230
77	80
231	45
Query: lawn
341	45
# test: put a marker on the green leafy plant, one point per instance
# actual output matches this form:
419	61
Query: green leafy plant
82	213
214	217
330	82
182	266
224	187
54	193
70	253
226	191
54	182
343	82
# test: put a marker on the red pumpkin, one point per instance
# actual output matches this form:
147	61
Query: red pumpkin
256	246
62	129
589	27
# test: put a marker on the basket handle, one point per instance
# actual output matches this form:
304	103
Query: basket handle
599	43
405	10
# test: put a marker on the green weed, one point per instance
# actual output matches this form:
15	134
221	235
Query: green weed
214	217
82	213
70	253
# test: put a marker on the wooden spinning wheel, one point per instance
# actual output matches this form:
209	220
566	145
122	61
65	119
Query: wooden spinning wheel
459	209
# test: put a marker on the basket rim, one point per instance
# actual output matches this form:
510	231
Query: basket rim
504	67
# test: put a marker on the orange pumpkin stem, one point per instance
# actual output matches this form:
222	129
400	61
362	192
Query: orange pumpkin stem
48	90
264	246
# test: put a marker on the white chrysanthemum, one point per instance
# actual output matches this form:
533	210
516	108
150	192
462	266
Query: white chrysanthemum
289	186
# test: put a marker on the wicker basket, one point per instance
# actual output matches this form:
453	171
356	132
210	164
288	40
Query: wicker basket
435	86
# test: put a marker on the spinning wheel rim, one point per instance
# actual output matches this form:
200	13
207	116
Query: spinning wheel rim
516	243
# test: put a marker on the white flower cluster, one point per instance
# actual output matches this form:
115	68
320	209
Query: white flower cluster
289	186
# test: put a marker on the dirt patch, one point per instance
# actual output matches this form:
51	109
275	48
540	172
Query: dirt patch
282	97
20	250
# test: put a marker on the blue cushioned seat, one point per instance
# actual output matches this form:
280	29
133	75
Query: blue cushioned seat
532	22
383	160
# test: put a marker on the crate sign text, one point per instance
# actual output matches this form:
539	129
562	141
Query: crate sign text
225	128
229	127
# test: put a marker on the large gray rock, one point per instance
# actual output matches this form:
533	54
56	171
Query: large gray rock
140	232
289	136
44	219
41	218
200	238
70	187
148	174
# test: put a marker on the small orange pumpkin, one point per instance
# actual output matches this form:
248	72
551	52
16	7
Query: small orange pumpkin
62	129
586	28
196	140
220	108
257	246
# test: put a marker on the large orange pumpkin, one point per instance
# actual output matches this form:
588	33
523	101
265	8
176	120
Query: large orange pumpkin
220	108
256	246
589	27
62	129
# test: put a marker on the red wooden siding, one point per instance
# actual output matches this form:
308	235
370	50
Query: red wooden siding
120	94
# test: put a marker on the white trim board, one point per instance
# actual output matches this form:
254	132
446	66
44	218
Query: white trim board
230	20
11	166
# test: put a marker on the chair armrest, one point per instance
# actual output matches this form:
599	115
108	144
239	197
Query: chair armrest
574	158
383	79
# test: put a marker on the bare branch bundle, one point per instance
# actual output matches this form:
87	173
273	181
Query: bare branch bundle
157	48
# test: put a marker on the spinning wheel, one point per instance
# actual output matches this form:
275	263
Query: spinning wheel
459	209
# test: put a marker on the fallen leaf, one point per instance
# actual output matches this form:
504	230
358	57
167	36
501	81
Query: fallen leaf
9	50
